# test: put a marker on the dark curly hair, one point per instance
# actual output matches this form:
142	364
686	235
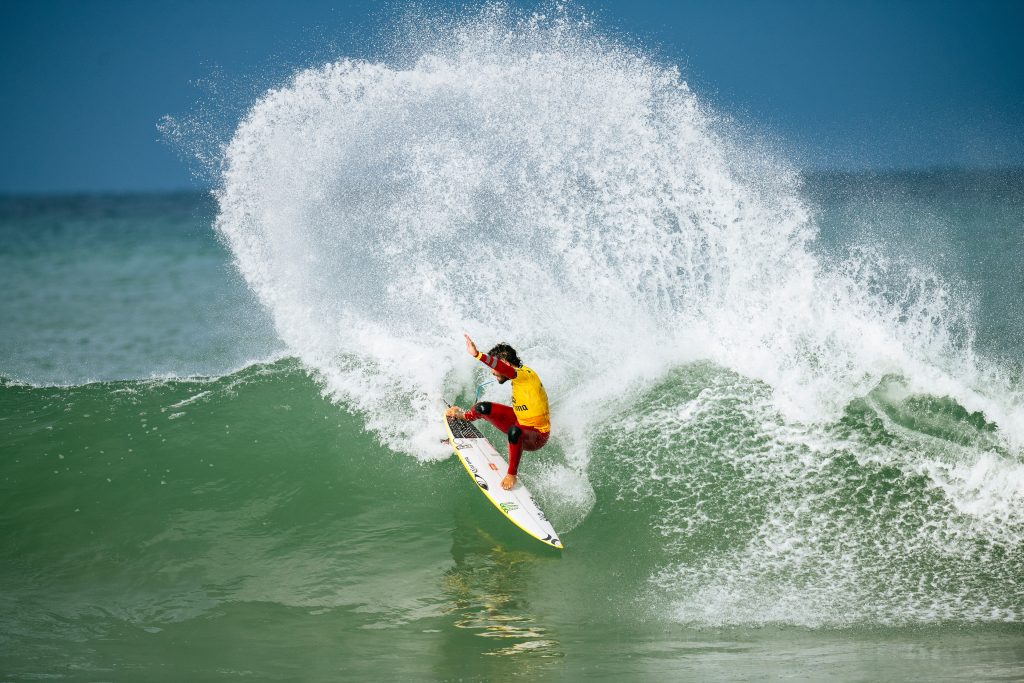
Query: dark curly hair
506	353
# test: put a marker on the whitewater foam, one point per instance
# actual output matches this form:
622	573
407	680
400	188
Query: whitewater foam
766	522
528	180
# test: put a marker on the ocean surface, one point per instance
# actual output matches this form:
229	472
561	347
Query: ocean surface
788	406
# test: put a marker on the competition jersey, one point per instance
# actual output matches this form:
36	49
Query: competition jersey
529	399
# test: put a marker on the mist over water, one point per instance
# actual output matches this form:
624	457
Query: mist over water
529	180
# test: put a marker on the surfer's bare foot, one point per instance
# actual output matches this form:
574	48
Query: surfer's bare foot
508	482
453	411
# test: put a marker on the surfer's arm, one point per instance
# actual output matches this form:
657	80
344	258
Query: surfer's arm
498	365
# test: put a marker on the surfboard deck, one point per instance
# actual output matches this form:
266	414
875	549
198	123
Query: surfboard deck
487	468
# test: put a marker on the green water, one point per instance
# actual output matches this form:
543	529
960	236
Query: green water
245	527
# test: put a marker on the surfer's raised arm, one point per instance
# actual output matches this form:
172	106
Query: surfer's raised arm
526	421
500	368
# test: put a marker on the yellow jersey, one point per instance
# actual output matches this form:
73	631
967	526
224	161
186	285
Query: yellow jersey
529	400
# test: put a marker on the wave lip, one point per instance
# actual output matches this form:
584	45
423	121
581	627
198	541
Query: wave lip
528	164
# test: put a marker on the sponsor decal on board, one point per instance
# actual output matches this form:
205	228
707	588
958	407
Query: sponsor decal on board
476	475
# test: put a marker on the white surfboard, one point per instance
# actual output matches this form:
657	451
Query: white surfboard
487	468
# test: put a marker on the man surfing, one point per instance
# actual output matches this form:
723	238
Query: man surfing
526	421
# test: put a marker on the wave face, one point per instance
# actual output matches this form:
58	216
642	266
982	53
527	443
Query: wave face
829	439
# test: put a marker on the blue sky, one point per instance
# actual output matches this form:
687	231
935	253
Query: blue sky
849	84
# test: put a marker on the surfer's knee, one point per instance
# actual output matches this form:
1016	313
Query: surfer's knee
514	432
482	408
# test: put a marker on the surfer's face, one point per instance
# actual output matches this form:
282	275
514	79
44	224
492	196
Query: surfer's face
500	377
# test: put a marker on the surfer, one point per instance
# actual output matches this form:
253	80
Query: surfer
526	421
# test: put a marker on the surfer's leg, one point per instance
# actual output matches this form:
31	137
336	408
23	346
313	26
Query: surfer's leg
521	439
501	416
504	418
533	440
515	448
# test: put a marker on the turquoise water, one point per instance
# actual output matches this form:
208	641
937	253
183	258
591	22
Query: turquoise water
788	409
245	526
110	287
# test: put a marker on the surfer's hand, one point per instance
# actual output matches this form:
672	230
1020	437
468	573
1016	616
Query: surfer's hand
508	482
470	346
453	411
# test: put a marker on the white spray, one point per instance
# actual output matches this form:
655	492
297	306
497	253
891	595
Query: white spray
529	181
